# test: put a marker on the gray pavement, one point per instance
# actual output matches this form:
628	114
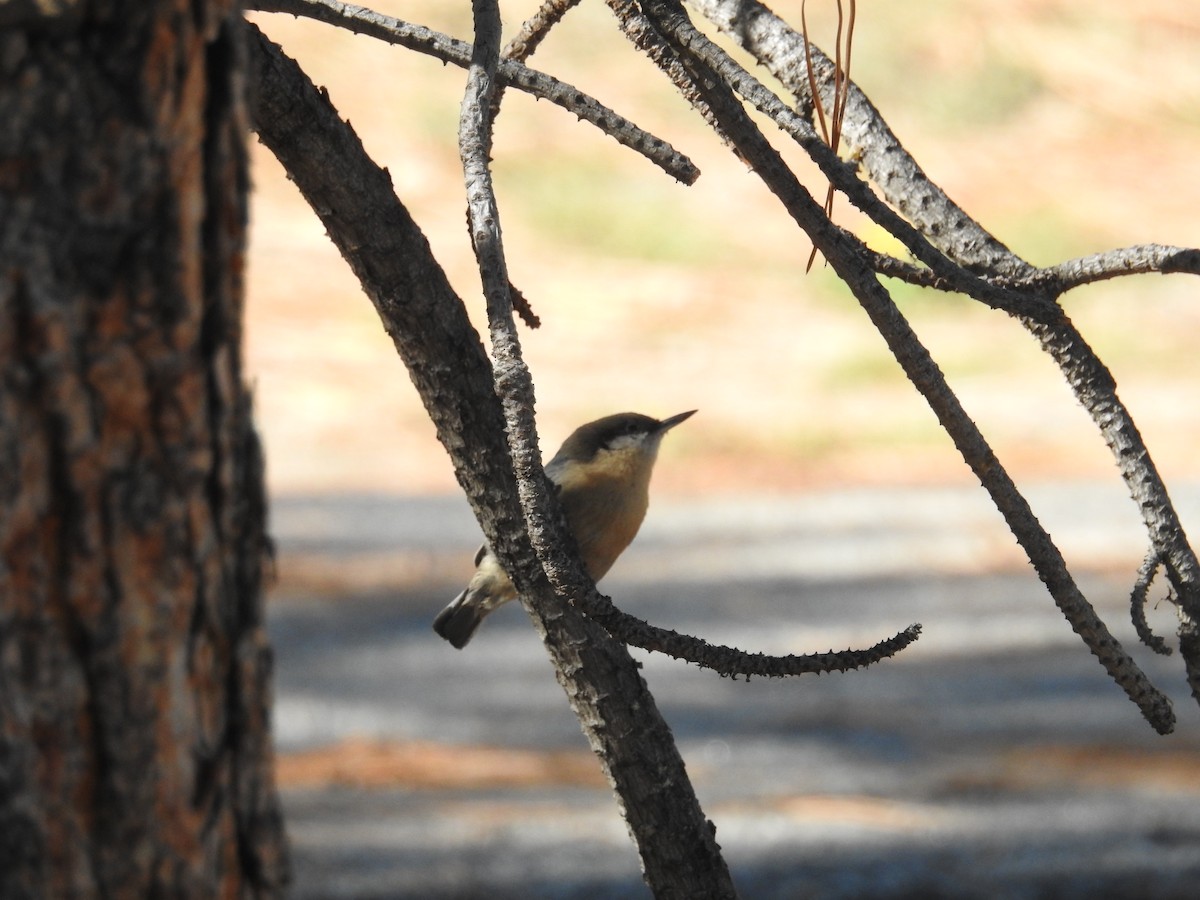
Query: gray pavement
992	759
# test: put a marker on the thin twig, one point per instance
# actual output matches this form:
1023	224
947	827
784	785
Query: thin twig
447	49
534	29
1137	604
841	82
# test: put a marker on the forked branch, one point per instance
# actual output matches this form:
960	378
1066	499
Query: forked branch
508	72
953	253
374	233
969	245
667	18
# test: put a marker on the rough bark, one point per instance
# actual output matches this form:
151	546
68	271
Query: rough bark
966	243
451	371
135	757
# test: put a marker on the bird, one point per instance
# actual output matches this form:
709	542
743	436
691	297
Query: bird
602	476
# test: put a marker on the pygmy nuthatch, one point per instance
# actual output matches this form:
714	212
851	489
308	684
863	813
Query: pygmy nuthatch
602	472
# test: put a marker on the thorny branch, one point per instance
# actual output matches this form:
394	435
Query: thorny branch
952	253
963	240
535	29
527	39
661	830
514	386
508	72
429	326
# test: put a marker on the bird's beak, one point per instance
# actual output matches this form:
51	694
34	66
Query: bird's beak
667	424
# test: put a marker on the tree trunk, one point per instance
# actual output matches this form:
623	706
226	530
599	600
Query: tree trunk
135	758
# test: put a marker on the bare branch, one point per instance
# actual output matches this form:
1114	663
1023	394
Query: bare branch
429	325
514	386
529	37
358	221
918	365
782	50
905	185
660	29
1140	260
1096	389
732	662
1137	604
1045	557
475	147
534	29
384	247
643	36
947	274
511	377
450	50
965	240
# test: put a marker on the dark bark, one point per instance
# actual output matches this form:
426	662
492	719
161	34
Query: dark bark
135	757
968	244
447	363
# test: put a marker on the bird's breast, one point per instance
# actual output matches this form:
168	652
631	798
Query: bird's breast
605	507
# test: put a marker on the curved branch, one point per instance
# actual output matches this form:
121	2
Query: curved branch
1039	547
1096	390
450	50
905	185
782	50
731	662
1137	605
920	368
429	325
946	273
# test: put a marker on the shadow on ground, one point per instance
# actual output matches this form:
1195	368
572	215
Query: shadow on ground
993	759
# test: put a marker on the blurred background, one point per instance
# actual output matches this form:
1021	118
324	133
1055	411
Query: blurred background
812	503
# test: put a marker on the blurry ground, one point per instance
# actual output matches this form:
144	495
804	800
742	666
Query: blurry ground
994	758
812	503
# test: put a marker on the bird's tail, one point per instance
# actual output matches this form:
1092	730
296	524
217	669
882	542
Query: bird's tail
458	621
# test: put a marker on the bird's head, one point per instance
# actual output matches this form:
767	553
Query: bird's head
622	434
